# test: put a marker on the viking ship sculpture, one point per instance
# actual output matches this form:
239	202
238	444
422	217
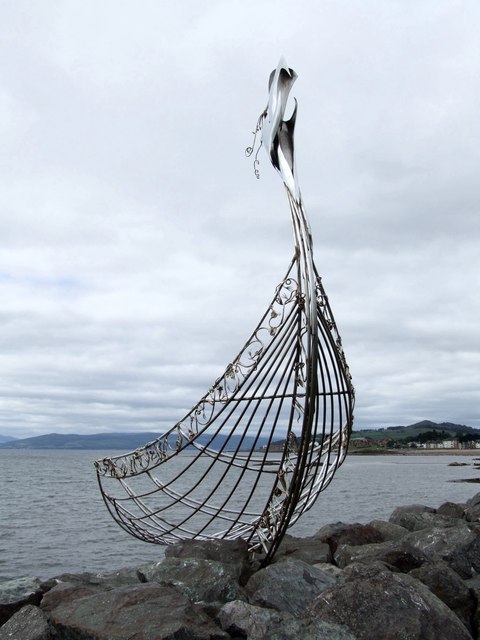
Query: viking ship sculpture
255	452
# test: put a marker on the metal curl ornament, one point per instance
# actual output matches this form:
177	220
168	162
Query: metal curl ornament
268	436
250	150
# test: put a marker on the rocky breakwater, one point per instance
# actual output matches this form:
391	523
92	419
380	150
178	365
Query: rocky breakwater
415	576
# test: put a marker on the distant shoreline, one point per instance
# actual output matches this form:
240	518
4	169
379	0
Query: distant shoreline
417	452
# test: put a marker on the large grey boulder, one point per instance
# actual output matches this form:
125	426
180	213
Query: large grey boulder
447	585
244	620
310	549
203	581
230	552
473	585
400	554
352	534
15	594
29	623
388	606
288	586
425	520
388	530
472	509
145	611
69	586
458	546
397	516
452	509
65	592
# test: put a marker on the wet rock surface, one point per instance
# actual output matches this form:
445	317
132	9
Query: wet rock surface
244	620
15	594
206	582
415	577
233	553
29	623
149	611
352	534
447	585
312	550
288	586
388	606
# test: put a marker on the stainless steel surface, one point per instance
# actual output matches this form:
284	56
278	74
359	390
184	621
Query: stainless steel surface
290	383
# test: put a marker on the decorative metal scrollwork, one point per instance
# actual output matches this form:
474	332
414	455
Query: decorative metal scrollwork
255	452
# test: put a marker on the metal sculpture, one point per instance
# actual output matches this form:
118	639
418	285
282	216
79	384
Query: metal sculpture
290	382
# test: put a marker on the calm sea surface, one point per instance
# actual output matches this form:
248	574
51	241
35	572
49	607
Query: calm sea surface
53	519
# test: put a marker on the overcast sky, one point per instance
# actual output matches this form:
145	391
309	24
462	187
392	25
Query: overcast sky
138	251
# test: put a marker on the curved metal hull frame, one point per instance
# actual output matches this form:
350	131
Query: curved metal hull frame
289	381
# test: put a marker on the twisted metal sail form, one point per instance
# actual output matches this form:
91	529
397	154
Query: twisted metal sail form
289	389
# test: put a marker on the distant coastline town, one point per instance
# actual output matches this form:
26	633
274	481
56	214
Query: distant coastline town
422	436
387	443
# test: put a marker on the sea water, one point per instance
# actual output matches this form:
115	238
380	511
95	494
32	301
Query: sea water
53	519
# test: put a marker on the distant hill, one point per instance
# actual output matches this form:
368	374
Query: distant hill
397	433
6	438
124	442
